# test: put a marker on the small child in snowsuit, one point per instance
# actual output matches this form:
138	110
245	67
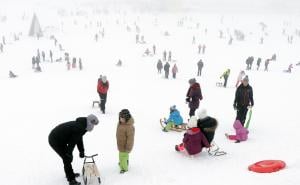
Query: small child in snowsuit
241	132
194	140
125	138
174	119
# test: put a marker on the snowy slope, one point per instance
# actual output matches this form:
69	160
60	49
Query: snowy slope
33	104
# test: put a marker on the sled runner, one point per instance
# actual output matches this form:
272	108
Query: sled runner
96	102
249	114
178	128
90	171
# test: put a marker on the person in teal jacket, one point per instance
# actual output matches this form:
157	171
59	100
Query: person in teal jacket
174	119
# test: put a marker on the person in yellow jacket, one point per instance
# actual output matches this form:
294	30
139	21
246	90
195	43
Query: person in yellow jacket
125	138
225	75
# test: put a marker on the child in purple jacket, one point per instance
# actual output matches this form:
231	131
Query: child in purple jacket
193	140
241	132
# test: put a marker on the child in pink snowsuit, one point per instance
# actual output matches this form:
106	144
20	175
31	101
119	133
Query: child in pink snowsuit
241	132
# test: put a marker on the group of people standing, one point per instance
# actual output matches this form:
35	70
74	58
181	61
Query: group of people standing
166	68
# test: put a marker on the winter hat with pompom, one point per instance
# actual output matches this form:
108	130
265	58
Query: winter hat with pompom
202	113
192	122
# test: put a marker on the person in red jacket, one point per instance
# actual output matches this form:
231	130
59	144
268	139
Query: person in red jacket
102	89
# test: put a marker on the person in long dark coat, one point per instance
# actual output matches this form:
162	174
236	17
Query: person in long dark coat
243	100
167	69
193	96
63	139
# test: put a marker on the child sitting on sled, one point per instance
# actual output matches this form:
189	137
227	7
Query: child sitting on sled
241	132
194	140
174	120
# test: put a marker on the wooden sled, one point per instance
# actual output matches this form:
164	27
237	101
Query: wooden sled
178	128
90	172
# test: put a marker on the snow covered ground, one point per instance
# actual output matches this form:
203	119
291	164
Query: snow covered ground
34	103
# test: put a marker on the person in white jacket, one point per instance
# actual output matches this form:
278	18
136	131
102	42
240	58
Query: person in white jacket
239	78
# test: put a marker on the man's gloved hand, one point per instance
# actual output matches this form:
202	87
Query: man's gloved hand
234	106
188	100
81	154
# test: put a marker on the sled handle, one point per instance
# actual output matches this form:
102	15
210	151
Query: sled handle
90	156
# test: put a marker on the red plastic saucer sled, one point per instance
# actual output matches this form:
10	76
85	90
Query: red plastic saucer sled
267	166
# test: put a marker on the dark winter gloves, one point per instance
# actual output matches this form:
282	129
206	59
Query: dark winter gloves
188	99
81	154
234	106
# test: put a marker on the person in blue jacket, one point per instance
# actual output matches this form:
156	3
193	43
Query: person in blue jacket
174	119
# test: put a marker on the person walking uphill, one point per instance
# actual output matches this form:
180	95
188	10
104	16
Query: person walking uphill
102	89
243	100
193	96
65	136
225	75
125	138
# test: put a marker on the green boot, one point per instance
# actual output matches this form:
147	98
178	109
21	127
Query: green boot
123	161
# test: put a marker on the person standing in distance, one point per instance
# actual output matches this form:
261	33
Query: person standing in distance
193	96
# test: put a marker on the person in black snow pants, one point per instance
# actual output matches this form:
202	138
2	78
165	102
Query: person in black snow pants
243	100
193	96
167	68
63	139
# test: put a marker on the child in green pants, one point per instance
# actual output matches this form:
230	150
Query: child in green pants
125	138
